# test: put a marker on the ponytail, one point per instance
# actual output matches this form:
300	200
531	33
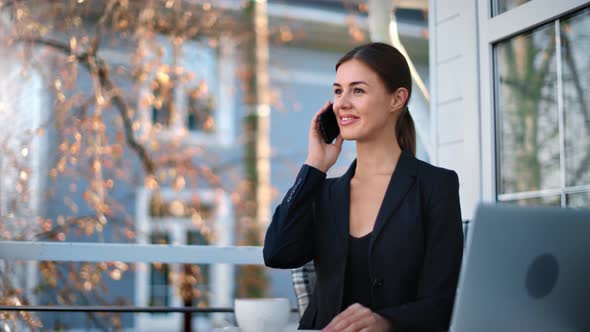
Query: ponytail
406	132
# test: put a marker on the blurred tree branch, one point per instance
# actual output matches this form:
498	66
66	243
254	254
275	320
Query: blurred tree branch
580	94
97	67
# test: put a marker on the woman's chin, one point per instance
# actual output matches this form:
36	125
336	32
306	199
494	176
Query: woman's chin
351	135
348	136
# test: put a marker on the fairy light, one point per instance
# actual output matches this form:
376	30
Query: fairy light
116	274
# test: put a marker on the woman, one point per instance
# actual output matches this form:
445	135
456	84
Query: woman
385	237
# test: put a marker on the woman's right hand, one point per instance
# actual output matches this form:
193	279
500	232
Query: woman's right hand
320	154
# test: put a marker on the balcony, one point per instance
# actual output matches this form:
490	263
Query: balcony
142	255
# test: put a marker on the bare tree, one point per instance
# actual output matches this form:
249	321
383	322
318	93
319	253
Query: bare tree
96	124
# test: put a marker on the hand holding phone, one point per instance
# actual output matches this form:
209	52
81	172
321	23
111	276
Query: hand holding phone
324	129
328	125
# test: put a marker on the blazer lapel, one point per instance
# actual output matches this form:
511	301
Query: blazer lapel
340	201
401	181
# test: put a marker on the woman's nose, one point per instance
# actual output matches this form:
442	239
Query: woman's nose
341	103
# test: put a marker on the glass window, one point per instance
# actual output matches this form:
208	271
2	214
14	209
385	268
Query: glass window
579	200
575	64
200	60
505	5
159	291
185	87
538	201
195	288
181	208
200	110
163	105
527	113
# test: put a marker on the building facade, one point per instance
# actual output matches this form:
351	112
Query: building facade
514	73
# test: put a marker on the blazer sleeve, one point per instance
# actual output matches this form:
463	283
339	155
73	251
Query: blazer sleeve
289	242
442	263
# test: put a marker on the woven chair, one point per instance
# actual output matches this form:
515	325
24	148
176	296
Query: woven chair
303	284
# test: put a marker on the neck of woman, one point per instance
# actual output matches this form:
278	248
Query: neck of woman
377	157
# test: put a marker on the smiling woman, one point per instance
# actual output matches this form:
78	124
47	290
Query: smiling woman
386	237
381	98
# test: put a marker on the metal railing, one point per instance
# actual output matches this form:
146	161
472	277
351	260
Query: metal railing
120	309
130	253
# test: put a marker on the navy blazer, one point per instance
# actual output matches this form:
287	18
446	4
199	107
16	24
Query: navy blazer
415	249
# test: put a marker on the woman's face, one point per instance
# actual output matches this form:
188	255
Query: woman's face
362	104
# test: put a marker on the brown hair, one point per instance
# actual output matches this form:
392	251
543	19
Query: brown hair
391	66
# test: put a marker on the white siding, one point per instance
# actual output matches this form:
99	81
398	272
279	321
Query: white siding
455	86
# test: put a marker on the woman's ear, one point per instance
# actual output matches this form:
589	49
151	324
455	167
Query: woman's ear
398	99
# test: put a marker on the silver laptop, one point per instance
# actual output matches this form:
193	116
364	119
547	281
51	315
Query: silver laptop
525	269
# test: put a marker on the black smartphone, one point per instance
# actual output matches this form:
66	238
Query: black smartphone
328	124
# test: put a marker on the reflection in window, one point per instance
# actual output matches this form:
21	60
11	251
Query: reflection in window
195	282
180	208
505	5
579	200
163	103
527	114
538	201
200	110
531	99
575	63
159	276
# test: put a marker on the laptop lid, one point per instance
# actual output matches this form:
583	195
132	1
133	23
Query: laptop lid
525	269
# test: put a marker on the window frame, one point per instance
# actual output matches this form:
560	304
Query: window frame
493	29
223	135
177	228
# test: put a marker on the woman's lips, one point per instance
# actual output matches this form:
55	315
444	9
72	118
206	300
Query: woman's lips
348	120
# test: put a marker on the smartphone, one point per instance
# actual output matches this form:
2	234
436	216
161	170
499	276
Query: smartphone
328	124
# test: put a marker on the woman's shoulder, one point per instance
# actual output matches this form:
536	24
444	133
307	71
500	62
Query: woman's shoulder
344	175
434	175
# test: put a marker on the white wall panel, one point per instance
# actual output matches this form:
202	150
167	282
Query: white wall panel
449	42
451	123
450	83
447	9
455	87
451	157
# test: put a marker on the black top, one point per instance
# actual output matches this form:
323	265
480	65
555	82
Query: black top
415	248
357	283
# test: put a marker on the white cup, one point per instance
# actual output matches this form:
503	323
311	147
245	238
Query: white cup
262	315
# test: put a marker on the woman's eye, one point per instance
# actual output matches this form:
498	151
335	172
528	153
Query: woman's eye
357	90
337	91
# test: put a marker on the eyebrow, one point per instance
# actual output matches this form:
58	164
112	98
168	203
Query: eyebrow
352	83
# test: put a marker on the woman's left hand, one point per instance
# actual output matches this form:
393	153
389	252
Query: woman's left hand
358	318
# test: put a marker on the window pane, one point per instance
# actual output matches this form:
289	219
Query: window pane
195	281
200	111
537	201
181	208
526	108
159	274
162	106
579	200
575	62
506	5
200	59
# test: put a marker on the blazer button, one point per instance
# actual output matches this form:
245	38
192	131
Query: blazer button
378	282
